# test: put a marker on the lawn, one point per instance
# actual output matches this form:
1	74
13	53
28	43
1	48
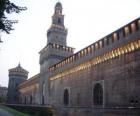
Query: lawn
13	111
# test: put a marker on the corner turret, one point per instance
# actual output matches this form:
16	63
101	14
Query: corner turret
16	76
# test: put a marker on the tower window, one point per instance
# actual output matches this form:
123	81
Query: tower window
59	21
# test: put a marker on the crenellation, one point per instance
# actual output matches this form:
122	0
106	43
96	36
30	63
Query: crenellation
139	23
96	46
133	27
126	31
52	49
109	55
63	48
29	90
100	44
107	41
115	37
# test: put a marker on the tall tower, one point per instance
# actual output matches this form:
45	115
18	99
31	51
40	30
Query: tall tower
16	76
55	50
57	32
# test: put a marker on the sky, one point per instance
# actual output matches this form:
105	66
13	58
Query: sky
86	20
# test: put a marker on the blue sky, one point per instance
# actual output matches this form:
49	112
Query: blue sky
87	21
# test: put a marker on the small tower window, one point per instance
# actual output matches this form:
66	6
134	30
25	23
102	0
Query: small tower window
59	21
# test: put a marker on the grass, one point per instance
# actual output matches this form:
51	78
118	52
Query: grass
13	111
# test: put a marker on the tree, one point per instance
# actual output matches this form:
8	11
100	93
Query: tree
7	7
2	99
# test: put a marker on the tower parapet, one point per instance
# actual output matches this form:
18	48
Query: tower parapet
18	71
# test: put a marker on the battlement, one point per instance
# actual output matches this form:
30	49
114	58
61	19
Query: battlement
54	48
58	47
57	28
109	46
30	82
30	88
18	71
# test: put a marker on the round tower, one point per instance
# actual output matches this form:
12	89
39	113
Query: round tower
16	76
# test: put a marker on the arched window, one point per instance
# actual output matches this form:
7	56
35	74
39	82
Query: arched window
98	94
66	97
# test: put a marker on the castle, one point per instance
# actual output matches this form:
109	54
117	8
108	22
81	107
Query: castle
103	74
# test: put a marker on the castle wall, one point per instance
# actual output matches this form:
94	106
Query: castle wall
119	78
29	91
104	74
13	93
120	37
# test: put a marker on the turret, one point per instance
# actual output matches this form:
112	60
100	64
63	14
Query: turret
16	76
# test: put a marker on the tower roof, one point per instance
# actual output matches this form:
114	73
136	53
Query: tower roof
58	5
18	71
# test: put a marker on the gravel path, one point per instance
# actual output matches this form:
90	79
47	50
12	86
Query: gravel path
4	113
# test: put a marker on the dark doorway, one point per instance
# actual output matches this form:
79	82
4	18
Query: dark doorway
98	94
66	97
30	99
43	92
42	99
25	100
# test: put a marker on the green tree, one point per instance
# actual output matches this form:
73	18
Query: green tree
7	7
2	99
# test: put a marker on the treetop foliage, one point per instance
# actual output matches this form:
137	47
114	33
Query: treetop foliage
7	7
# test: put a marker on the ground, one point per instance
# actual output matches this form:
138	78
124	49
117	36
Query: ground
3	112
7	111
